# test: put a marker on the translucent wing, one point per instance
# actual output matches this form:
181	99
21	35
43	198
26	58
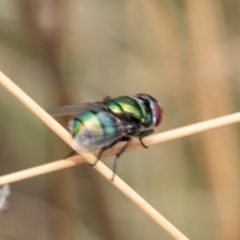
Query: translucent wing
100	130
74	108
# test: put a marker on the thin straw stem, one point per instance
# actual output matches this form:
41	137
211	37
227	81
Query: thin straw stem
90	158
150	140
42	169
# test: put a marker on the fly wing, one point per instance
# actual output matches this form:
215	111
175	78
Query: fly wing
74	108
102	130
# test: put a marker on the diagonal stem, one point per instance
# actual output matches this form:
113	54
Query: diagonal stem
90	158
150	140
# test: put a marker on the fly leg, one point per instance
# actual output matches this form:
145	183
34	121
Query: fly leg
102	150
99	155
144	134
128	141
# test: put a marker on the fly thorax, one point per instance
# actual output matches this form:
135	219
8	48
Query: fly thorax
127	108
153	108
115	108
147	121
144	117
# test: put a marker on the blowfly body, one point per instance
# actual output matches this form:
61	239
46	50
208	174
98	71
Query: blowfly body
100	125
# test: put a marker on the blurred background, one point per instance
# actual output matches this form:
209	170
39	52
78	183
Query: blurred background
184	53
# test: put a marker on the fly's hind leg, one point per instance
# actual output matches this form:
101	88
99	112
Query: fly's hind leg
144	134
128	141
99	155
102	150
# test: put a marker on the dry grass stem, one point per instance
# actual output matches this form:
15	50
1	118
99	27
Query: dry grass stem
40	170
90	158
150	140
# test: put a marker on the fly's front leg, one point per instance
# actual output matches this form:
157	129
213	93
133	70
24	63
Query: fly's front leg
144	134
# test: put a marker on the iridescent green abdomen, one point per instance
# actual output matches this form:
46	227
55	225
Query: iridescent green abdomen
132	105
95	129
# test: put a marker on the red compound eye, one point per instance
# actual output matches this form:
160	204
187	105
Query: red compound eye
157	113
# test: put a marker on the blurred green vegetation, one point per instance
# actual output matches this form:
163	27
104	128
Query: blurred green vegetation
184	53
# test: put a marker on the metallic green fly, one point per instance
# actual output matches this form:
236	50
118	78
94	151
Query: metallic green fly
100	125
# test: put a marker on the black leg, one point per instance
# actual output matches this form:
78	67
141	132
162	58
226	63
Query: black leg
99	155
144	134
102	150
128	139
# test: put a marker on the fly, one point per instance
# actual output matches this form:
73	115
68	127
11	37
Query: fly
101	125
